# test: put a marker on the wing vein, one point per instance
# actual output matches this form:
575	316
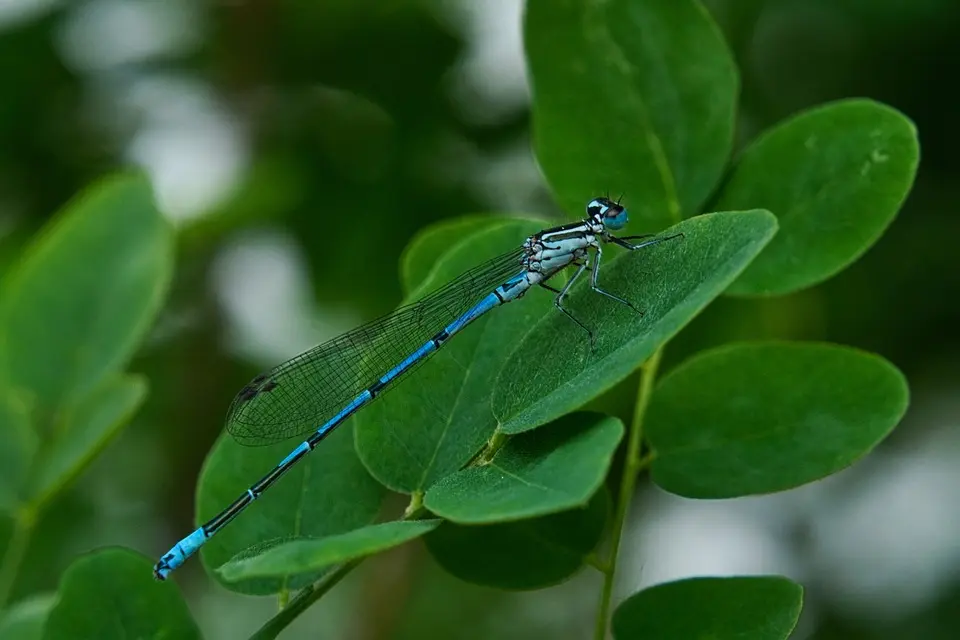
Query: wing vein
300	395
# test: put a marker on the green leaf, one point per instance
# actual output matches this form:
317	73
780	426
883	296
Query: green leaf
761	417
328	492
758	608
18	446
553	372
835	176
87	428
312	555
25	619
534	474
640	96
438	418
111	593
528	554
421	254
75	308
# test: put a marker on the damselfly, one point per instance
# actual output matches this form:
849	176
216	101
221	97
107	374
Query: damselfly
333	380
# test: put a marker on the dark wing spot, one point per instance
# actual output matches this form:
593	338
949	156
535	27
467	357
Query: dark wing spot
258	385
247	393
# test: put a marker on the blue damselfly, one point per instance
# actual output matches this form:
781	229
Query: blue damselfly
328	383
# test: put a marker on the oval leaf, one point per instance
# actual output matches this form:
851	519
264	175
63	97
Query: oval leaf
553	370
87	428
641	96
439	417
761	417
111	593
528	554
301	556
835	176
538	473
759	608
328	492
104	264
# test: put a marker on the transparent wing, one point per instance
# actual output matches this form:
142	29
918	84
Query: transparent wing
298	396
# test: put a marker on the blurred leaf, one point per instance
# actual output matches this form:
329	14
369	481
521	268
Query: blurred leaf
553	372
435	421
25	619
326	493
758	608
835	176
422	252
527	554
640	97
299	556
75	308
355	134
88	428
546	471
18	446
761	417
111	593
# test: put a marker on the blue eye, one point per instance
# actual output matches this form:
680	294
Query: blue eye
615	218
607	212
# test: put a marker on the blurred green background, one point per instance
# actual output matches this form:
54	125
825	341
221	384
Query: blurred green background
298	145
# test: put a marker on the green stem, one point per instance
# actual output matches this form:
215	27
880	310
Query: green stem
414	506
594	561
302	601
496	442
634	464
17	547
646	461
308	595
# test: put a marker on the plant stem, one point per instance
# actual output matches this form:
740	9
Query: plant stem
594	561
308	595
496	442
634	464
414	506
302	601
22	526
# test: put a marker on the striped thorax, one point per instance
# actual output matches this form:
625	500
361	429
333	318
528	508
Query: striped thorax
549	251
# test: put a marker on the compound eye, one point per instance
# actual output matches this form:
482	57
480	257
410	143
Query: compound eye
615	217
